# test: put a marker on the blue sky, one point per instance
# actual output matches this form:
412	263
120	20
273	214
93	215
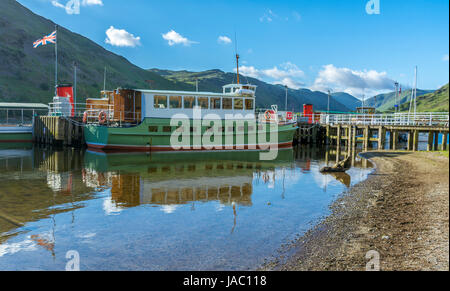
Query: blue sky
322	44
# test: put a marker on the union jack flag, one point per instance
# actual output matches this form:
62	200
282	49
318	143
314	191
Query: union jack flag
51	38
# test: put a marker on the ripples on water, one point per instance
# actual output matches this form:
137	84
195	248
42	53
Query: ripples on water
165	211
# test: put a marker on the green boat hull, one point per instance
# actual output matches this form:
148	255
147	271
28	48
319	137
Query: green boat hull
16	134
155	135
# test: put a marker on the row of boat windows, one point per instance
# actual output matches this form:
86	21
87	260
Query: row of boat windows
213	103
169	129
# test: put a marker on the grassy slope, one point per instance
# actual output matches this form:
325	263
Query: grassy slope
27	74
386	102
267	94
432	102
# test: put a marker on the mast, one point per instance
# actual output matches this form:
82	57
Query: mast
75	86
415	93
56	59
237	63
396	97
237	56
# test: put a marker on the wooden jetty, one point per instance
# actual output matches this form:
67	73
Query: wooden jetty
58	131
368	129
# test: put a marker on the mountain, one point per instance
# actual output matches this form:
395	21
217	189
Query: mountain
267	94
386	102
27	74
348	100
437	101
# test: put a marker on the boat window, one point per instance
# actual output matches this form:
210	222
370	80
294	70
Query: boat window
153	129
203	102
227	103
215	103
189	102
238	103
167	129
175	102
160	102
248	104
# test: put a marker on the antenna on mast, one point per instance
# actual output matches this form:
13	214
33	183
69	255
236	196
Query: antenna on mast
237	57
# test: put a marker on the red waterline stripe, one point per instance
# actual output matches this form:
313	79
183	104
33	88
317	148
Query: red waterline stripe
16	141
169	149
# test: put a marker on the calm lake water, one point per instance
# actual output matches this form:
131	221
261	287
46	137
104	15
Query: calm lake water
167	211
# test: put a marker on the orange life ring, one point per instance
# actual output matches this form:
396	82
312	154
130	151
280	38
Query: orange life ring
85	117
102	118
269	114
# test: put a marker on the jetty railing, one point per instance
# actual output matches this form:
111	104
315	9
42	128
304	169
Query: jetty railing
398	119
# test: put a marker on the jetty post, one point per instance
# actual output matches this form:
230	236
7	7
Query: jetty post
444	141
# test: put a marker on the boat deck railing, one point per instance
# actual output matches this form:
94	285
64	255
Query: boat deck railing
91	113
19	116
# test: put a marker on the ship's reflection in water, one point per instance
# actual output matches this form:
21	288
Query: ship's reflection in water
165	211
178	179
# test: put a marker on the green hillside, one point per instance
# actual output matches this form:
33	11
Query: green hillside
267	94
386	102
431	102
27	74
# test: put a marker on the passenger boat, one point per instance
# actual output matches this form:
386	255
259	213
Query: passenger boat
143	120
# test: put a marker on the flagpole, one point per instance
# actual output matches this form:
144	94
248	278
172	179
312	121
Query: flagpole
56	60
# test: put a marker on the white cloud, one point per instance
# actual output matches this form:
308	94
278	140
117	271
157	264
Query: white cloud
92	2
290	83
286	74
445	58
174	38
73	6
224	40
121	38
268	16
249	71
357	83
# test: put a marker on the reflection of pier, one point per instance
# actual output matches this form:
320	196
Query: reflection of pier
49	187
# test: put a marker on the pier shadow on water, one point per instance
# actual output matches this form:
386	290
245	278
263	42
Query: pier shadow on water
160	211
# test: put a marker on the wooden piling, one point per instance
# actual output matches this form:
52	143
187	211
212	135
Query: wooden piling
415	140
436	141
444	142
381	137
430	141
366	138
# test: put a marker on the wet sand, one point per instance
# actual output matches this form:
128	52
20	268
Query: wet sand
401	211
